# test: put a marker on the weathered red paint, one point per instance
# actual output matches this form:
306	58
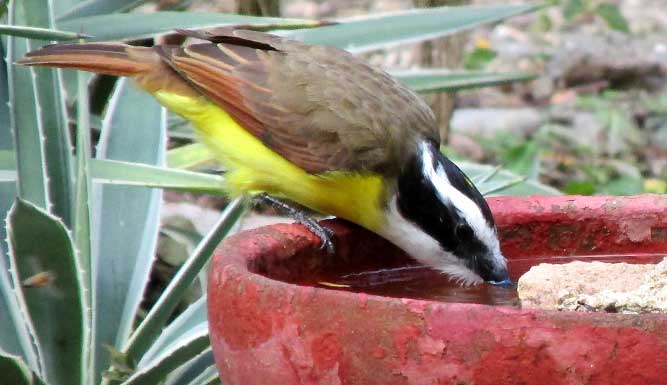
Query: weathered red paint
264	331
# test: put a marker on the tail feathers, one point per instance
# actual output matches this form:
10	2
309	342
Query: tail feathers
143	64
107	58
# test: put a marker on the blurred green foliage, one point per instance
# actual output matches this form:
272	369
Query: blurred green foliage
574	11
478	58
613	161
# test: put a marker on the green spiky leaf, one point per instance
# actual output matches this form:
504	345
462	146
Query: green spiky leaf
141	25
149	328
39	119
99	7
39	33
194	315
15	371
133	174
425	80
193	342
503	182
126	249
59	339
189	156
384	30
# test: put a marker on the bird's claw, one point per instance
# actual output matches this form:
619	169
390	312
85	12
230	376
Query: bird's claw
325	234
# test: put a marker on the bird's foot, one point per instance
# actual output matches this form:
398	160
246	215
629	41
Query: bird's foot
325	234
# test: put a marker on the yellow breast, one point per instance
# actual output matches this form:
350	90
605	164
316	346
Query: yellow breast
252	167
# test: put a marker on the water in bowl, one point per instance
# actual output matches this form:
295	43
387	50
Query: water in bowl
420	282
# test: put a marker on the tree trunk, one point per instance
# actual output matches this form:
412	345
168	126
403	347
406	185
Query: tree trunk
258	7
442	53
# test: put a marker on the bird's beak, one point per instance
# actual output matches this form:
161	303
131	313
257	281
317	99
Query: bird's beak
501	278
506	284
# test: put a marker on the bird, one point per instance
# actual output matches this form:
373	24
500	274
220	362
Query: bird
317	126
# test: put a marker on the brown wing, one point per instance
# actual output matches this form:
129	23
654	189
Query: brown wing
321	108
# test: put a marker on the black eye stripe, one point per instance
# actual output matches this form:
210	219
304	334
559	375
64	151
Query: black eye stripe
417	201
464	232
461	182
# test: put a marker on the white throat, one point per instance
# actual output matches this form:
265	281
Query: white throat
422	247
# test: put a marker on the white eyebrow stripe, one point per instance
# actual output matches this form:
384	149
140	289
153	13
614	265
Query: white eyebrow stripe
437	177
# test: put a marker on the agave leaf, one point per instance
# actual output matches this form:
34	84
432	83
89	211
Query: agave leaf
82	217
62	6
100	7
198	370
189	156
356	35
83	184
15	371
427	80
150	327
10	313
133	174
60	150
39	118
503	182
59	340
20	338
390	29
127	219
7	160
9	340
17	332
7	176
192	343
6	143
208	376
25	120
194	315
51	91
38	33
141	25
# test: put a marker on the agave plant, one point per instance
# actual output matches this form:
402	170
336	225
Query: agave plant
82	228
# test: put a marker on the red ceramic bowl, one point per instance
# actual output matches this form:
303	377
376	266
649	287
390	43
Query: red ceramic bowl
266	331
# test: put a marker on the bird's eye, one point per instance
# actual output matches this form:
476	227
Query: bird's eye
464	232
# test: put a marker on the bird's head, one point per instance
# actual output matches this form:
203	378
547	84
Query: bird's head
440	218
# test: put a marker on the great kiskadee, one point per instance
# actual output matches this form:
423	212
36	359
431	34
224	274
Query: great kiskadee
319	127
